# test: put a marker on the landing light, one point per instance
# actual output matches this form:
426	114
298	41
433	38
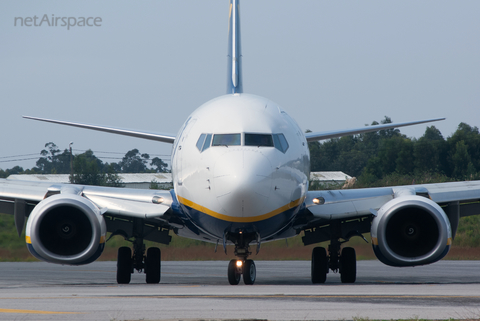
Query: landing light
239	263
318	201
157	200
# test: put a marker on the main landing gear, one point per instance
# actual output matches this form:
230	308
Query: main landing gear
344	262
149	263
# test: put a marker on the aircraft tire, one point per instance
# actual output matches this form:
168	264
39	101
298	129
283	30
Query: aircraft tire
233	275
124	265
153	265
249	272
319	265
348	265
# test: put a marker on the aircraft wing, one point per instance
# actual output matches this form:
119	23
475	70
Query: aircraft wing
166	138
342	204
359	207
311	137
20	198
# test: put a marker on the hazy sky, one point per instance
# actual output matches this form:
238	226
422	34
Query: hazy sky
149	64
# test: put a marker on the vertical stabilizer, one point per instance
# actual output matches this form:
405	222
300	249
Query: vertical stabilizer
234	65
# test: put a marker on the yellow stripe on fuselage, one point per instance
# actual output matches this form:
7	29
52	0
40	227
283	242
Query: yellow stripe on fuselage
237	219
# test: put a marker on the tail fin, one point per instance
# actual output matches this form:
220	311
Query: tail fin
234	65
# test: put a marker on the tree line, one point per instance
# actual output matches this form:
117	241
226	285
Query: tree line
387	157
381	158
87	169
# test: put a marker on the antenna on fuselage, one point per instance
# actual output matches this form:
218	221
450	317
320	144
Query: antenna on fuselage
234	64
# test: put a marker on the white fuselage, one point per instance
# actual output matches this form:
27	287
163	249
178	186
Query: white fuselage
240	163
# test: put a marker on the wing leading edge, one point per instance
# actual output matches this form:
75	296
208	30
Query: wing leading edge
311	137
166	138
20	198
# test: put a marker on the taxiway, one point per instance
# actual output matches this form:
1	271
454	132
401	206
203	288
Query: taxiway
200	290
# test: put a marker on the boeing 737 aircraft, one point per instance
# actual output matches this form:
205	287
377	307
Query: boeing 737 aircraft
240	167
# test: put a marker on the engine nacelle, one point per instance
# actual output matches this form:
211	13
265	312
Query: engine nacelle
411	230
66	229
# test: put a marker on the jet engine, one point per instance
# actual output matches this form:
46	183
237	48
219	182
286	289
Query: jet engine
66	229
410	230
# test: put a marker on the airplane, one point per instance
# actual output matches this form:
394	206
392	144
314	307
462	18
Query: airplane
240	167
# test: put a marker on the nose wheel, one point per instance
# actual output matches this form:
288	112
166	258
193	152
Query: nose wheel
237	268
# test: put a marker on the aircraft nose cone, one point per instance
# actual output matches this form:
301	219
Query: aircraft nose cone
243	182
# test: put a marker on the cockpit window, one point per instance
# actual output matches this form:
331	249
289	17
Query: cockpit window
226	139
258	140
280	142
200	142
204	142
208	140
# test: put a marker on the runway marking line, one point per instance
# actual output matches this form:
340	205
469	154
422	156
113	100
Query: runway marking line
290	296
35	311
265	296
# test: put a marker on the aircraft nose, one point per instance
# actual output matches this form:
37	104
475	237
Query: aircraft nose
243	182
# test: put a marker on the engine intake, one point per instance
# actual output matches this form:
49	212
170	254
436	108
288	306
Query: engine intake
66	229
411	230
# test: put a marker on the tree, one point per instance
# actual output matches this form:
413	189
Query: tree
461	161
430	152
111	177
471	139
134	162
52	161
405	159
89	170
389	133
12	171
159	165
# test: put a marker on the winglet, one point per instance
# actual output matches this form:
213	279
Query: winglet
234	64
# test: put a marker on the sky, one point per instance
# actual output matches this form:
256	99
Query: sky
147	65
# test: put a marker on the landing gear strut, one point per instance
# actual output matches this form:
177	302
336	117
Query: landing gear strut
344	262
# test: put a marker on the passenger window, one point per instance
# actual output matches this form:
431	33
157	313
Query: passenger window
226	139
280	142
258	140
200	142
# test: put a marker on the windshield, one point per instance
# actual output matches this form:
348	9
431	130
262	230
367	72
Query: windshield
258	140
226	139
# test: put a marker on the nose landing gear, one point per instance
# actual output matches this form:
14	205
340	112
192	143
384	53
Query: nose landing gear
242	266
237	268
